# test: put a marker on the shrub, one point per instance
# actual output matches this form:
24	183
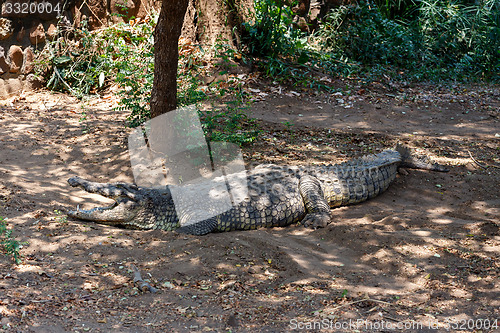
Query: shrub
123	54
441	39
271	33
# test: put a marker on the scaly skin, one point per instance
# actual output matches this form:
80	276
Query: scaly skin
277	196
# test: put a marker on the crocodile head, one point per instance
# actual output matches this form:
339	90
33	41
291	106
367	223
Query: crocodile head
134	207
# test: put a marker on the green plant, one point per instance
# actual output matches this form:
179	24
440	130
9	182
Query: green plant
280	49
60	217
80	67
124	54
230	124
271	33
460	38
429	39
362	33
284	53
398	9
289	127
9	245
135	76
83	121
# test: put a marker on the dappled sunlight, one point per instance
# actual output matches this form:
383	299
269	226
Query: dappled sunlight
442	221
429	245
430	118
29	269
490	207
423	234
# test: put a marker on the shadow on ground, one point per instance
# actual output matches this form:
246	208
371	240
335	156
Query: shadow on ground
426	251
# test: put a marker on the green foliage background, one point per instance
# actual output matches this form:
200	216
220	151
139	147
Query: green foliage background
429	39
418	40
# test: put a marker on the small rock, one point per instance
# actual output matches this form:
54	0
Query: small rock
168	284
15	56
4	94
32	83
37	34
5	322
29	56
52	32
5	28
254	270
403	172
232	321
4	65
20	35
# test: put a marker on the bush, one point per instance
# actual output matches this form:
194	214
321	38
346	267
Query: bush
441	39
462	39
362	33
84	66
277	46
271	33
123	54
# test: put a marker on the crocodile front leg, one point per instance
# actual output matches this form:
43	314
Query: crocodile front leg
317	208
199	228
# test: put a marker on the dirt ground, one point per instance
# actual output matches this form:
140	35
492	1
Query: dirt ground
422	257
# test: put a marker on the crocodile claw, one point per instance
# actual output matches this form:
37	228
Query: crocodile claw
316	220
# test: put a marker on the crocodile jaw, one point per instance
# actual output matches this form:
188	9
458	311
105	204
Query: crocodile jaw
118	213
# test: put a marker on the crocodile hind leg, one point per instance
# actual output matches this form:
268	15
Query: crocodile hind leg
317	208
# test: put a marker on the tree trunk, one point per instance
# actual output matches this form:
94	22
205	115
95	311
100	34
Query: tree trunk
167	32
209	22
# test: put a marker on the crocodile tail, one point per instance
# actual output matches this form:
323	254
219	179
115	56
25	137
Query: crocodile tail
411	160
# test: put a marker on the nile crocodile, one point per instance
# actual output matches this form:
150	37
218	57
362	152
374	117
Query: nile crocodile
276	196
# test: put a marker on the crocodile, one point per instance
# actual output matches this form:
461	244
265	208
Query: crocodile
277	196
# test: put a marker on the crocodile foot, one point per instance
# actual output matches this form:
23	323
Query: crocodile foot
317	220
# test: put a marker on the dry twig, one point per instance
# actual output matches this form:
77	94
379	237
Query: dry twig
141	284
476	161
481	165
359	301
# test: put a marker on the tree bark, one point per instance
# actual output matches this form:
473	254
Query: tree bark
209	22
167	32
